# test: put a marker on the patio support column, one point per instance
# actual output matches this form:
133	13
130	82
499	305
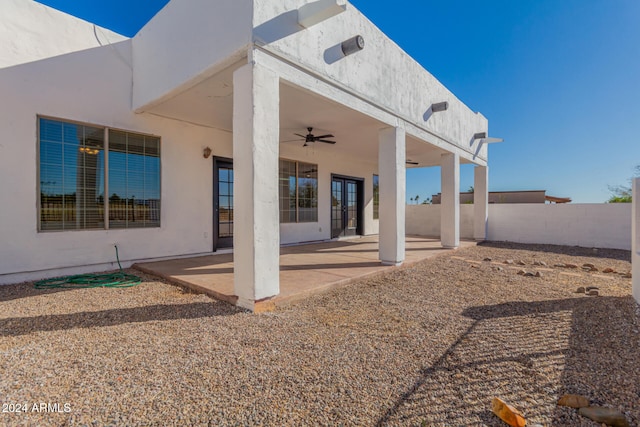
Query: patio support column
256	227
450	202
480	202
391	170
635	236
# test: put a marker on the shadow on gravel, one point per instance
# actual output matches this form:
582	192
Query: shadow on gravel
529	353
618	254
24	290
24	325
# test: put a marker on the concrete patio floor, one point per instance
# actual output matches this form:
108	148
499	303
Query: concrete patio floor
304	269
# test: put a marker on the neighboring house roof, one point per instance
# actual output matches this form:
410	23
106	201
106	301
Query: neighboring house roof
552	199
525	196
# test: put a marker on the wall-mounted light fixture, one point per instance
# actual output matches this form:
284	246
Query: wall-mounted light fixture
439	106
352	45
206	153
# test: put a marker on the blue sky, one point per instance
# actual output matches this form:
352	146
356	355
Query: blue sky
559	80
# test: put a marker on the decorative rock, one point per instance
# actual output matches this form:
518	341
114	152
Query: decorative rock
580	290
498	269
538	274
591	288
521	272
627	275
541	263
608	270
508	413
561	265
571	265
529	274
509	261
573	401
519	262
588	265
487	259
593	293
604	415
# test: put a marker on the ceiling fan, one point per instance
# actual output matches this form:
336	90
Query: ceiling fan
310	138
410	162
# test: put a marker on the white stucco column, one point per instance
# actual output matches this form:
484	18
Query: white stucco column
480	202
256	227
450	202
391	170
635	242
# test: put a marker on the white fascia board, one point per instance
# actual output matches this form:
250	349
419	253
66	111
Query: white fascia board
313	13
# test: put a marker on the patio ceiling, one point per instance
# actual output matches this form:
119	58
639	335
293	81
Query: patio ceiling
210	103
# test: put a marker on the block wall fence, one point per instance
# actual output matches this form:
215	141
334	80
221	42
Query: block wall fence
587	225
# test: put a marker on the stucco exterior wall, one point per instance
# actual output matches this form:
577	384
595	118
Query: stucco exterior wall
30	31
588	225
381	73
186	42
72	87
68	87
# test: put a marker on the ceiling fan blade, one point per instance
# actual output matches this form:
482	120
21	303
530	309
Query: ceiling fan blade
293	140
324	136
325	141
409	162
301	136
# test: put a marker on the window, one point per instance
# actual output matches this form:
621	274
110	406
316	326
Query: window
376	197
298	189
75	161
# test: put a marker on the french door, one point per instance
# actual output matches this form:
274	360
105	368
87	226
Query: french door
346	206
222	203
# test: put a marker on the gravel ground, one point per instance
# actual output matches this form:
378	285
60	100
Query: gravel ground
429	344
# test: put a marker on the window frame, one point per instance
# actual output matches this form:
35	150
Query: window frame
105	176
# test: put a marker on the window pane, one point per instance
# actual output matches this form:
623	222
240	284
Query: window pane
376	197
134	180
287	191
71	176
307	192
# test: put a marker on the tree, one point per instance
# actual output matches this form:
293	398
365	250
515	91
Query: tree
417	198
622	193
427	201
470	190
411	198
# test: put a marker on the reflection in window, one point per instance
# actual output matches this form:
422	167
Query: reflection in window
134	180
287	191
376	197
72	177
298	190
307	192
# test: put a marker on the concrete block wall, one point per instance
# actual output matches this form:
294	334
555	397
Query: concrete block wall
588	225
424	220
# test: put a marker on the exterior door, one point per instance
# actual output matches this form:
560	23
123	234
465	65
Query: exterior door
222	203
346	207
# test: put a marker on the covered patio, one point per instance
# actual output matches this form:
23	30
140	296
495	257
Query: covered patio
304	269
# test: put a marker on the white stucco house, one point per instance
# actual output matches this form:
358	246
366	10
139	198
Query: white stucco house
191	137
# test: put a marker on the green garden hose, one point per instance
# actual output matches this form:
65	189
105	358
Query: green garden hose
111	280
